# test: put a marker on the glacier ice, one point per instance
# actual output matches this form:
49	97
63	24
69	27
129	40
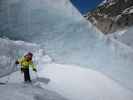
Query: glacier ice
10	51
19	92
57	27
73	83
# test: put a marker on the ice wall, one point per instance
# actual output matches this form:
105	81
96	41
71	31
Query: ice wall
10	51
125	36
39	19
59	28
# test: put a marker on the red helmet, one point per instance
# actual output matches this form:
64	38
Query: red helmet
29	54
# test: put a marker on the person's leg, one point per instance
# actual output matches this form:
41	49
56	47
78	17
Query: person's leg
27	75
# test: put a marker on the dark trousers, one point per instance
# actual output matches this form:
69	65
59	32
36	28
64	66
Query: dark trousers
26	75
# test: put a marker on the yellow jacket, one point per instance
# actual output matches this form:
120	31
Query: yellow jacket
26	64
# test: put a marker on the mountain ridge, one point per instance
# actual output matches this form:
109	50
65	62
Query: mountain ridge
112	15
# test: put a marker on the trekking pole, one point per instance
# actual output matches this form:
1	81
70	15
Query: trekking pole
37	77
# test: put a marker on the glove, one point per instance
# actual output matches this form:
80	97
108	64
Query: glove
22	70
16	62
34	70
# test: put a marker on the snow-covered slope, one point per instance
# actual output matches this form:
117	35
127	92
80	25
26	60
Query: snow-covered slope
72	82
67	38
21	92
76	83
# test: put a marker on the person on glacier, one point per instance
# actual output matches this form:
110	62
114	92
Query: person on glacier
25	63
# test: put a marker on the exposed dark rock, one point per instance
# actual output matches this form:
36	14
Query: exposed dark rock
112	16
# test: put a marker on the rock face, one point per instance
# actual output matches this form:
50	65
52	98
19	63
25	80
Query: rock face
112	15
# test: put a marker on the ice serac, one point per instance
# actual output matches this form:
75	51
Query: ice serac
10	51
66	36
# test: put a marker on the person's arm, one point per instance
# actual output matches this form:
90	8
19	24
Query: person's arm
19	61
33	66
